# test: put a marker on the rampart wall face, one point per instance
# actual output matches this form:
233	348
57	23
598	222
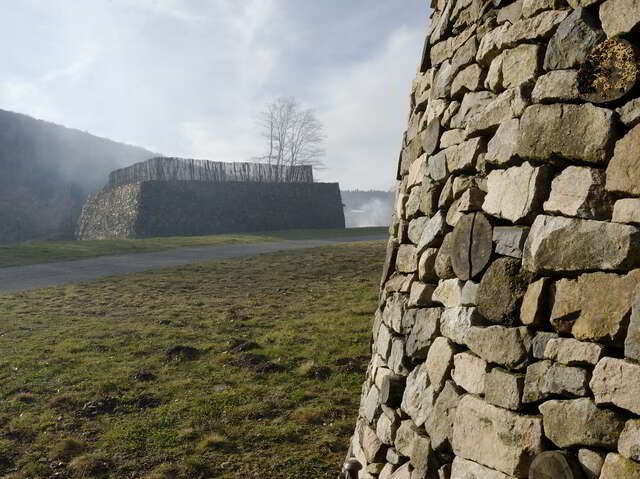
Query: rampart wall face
187	208
507	339
110	214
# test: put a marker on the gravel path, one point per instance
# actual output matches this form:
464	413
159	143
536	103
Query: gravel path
23	278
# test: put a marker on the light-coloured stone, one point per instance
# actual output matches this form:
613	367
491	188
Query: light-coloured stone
534	29
623	172
416	226
426	266
421	457
372	404
521	64
540	341
451	138
433	232
619	16
505	143
511	13
407	260
396	359
494	81
629	441
386	429
491	44
630	112
532	7
423	332
573	40
455	323
535	308
504	389
591	462
442	81
448	293
572	352
615	381
403	472
470	293
372	447
546	378
516	194
417	394
472	105
507	347
543	132
417	171
509	104
509	240
469	372
627	210
469	79
412	208
556	86
632	341
579	422
439	423
587	245
437	168
439	362
465	155
466	54
591	312
405	436
495	437
463	469
579	191
618	467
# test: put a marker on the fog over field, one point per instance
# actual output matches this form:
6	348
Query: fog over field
188	77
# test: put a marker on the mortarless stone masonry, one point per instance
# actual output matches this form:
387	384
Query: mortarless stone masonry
510	303
186	208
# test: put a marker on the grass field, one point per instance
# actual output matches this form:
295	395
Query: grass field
47	252
245	368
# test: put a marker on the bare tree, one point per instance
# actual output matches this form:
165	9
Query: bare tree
293	137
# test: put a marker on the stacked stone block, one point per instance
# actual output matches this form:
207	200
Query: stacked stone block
506	343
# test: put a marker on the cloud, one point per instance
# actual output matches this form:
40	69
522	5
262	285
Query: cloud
366	112
189	77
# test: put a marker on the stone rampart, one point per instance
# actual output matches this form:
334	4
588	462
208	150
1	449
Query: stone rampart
506	343
187	208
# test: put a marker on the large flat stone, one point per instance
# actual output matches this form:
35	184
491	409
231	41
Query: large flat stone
455	323
556	86
463	469
627	210
505	143
543	132
417	394
469	372
623	172
619	16
586	245
423	332
579	191
629	441
589	311
504	389
439	422
521	64
471	106
507	347
579	422
546	378
573	40
618	467
439	362
517	193
572	352
615	381
495	437
509	104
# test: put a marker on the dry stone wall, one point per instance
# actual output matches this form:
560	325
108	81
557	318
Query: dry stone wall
506	343
186	208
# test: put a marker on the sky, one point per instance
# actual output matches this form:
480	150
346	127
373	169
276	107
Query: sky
189	78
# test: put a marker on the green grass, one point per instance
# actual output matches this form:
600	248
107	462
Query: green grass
270	390
47	252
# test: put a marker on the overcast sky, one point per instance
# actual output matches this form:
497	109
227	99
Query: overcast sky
188	77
